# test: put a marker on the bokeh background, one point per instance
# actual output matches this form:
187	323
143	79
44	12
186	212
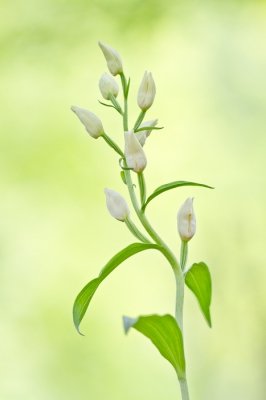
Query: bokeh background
208	60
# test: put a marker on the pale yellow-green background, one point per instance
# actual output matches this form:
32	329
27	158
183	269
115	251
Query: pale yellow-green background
209	62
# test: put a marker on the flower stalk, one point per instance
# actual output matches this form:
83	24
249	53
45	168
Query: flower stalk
139	119
112	144
183	255
135	231
115	103
125	93
142	188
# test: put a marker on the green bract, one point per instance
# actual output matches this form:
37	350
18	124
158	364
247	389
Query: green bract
198	279
165	334
171	185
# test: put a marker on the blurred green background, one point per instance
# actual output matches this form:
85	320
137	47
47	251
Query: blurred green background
208	60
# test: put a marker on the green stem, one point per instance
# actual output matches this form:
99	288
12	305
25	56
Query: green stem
135	231
125	113
112	144
140	119
141	216
183	255
142	187
125	122
115	103
179	301
168	253
184	389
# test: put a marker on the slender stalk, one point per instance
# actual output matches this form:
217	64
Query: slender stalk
142	217
115	103
135	231
125	122
142	188
125	113
183	255
179	300
139	119
168	253
112	144
184	389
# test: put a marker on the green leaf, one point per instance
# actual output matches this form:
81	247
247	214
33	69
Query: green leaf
121	166
127	89
171	185
106	105
198	279
149	128
165	334
84	297
122	173
142	187
139	119
112	144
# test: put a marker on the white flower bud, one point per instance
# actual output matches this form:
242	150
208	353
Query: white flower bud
147	91
134	153
142	135
113	59
186	220
108	85
116	204
92	123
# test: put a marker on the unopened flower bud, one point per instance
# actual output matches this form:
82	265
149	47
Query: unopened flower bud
116	205
147	91
186	220
134	153
113	59
142	135
108	86
92	123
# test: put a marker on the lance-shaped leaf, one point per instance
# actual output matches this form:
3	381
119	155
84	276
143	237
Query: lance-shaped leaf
106	105
84	297
198	279
149	128
165	334
171	185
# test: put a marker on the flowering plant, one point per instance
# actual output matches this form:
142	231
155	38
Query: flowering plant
166	331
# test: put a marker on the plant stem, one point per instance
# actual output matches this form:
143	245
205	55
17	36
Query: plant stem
115	103
139	120
183	255
179	301
142	187
168	253
125	113
112	144
184	389
134	230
